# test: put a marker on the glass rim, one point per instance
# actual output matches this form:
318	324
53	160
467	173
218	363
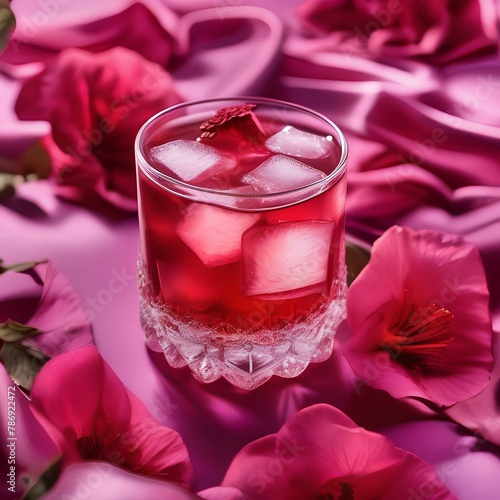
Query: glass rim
337	171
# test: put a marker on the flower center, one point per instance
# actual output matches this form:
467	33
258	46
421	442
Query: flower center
419	338
97	447
346	493
91	448
106	449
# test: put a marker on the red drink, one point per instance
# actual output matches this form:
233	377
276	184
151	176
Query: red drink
241	250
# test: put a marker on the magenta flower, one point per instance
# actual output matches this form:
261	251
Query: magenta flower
90	415
438	32
95	104
320	453
420	320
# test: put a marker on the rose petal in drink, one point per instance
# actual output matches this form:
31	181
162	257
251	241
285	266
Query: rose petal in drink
191	160
280	173
214	233
294	142
289	257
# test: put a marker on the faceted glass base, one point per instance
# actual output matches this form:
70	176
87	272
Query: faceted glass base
246	361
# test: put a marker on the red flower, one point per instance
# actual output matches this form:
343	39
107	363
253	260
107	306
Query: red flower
91	415
96	104
420	318
439	32
320	453
241	120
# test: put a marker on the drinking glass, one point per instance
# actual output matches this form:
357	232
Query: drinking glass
241	250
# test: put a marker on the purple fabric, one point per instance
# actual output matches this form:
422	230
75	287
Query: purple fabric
424	152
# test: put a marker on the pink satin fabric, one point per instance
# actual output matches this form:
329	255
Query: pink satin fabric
424	140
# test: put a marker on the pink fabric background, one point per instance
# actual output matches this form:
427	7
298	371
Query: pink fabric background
388	109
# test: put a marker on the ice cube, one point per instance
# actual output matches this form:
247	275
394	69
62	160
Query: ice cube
280	173
232	197
289	257
192	160
294	142
214	233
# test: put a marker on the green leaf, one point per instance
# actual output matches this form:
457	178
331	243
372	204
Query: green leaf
357	256
22	363
12	331
45	481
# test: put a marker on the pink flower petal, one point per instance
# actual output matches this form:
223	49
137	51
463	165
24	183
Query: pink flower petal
96	104
318	452
60	315
90	414
101	480
76	395
420	272
157	449
221	493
